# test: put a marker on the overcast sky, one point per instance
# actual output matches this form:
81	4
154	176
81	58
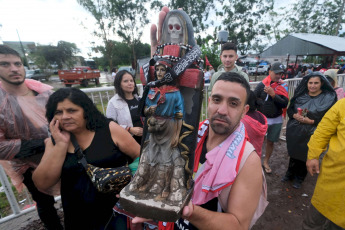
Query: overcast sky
49	21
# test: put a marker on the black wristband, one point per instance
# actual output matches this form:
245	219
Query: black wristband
30	147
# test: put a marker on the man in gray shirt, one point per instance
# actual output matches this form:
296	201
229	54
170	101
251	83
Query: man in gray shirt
228	56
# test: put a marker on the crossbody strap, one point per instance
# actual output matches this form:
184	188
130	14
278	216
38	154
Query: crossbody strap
79	152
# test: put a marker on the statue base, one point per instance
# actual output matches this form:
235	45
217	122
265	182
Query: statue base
151	208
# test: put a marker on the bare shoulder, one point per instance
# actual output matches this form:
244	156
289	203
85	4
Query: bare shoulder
254	159
114	127
252	165
116	131
251	171
245	192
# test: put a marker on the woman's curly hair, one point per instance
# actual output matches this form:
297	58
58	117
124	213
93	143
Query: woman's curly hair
94	118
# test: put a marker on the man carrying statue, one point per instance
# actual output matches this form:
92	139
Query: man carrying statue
225	168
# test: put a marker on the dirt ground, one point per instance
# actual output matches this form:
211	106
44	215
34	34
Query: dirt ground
285	211
287	205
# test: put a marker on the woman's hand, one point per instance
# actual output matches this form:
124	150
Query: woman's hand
313	166
59	135
297	117
302	119
48	172
136	131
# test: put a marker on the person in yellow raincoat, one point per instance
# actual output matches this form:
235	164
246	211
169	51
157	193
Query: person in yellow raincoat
328	209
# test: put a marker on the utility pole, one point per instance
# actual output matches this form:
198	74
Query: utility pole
340	16
22	47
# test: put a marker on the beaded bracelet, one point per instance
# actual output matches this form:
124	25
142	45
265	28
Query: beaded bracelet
183	46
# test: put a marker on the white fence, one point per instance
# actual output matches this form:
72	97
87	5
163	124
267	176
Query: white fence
101	96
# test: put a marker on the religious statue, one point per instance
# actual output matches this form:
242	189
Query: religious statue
171	105
164	111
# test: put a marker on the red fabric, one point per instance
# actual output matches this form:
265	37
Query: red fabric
161	62
220	170
173	50
278	89
142	76
207	63
323	70
169	226
151	75
162	90
198	149
191	79
277	86
256	131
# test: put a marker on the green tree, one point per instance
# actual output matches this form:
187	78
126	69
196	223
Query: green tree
142	50
125	18
63	53
278	29
132	17
100	10
122	54
198	11
245	22
316	16
243	19
212	51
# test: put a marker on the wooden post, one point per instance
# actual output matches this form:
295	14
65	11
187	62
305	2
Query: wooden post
334	59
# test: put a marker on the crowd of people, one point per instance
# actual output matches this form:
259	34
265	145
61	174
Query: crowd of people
38	128
301	70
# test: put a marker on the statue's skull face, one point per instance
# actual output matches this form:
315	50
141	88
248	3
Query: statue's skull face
175	29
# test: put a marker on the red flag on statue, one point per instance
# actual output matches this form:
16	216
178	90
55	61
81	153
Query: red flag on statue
207	63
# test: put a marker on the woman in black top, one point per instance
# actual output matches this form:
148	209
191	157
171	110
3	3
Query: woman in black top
123	107
315	96
104	143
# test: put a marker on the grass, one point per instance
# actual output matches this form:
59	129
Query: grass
91	85
100	108
5	208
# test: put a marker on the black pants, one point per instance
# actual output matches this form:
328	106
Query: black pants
44	203
314	220
297	169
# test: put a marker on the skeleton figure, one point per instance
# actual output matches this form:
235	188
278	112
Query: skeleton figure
175	30
162	185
